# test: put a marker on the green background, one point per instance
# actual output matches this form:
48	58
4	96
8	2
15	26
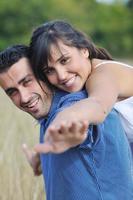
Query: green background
109	25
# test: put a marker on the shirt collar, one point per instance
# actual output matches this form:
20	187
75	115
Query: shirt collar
55	100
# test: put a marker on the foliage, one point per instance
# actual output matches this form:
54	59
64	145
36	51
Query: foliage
109	25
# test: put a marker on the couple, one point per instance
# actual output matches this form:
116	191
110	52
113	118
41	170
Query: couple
97	160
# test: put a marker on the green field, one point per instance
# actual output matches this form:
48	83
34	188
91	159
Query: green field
17	181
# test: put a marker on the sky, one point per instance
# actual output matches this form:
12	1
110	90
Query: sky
110	1
107	1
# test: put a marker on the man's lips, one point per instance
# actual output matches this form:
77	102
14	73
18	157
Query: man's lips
31	105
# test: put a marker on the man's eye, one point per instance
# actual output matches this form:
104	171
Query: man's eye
12	93
26	82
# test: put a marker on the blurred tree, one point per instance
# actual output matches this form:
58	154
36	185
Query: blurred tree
113	28
109	25
130	4
17	17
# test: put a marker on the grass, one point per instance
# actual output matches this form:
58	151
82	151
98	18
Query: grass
17	180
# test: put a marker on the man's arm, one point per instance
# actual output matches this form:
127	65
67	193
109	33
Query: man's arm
33	159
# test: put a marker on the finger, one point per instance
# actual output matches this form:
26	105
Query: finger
75	127
62	122
53	135
26	151
43	148
38	171
64	128
84	127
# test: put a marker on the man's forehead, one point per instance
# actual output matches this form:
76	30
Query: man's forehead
22	64
15	73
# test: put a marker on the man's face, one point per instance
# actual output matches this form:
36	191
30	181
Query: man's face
22	87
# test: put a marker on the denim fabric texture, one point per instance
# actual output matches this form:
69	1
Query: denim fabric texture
97	169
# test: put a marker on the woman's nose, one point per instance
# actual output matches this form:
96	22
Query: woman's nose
61	75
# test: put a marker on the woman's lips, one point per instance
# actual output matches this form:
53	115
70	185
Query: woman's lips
70	82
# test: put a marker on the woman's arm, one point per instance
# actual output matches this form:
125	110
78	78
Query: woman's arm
103	92
103	89
58	141
108	84
105	85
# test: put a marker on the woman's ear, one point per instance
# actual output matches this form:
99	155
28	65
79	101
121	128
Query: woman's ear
85	52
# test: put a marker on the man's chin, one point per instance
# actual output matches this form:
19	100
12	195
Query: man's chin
37	116
34	115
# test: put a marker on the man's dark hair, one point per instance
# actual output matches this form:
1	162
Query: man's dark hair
11	55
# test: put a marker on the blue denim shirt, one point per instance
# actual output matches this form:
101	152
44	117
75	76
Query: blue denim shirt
98	169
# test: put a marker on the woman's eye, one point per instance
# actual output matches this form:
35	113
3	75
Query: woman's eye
64	61
48	71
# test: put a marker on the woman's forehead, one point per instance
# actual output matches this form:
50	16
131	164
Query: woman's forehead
59	49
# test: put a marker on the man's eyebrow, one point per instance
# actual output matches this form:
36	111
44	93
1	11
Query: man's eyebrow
23	79
11	89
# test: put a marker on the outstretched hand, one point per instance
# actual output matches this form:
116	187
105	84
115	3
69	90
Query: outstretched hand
58	140
76	113
33	158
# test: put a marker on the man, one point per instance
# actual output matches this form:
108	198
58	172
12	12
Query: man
97	166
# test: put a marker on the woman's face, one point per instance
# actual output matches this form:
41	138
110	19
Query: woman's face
68	68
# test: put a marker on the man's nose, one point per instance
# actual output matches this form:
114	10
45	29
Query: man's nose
25	95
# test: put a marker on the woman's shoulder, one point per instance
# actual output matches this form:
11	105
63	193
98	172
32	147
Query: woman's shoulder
97	63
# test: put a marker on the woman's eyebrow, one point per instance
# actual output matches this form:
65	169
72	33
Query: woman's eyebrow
62	56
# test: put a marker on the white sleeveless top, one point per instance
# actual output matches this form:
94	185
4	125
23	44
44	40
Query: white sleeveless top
124	107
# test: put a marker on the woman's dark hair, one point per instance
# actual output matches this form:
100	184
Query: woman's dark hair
50	33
